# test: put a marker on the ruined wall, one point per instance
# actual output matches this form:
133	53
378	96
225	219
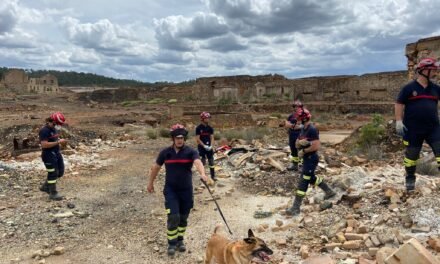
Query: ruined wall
427	47
46	84
369	87
15	79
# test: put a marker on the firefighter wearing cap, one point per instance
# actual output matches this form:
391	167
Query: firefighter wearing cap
417	117
294	129
178	189
308	144
51	155
205	142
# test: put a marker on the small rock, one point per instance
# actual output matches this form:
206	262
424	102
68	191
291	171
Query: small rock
58	251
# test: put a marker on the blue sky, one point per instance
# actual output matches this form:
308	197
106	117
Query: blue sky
172	40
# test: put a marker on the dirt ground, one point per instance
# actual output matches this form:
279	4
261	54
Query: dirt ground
108	217
118	222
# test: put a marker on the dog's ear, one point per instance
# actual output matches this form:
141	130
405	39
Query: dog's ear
250	240
250	233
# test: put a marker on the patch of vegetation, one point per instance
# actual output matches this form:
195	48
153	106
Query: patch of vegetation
131	103
277	115
155	101
163	132
172	101
152	133
372	133
225	101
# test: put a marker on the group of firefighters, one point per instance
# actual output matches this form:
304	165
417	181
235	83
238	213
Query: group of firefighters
416	121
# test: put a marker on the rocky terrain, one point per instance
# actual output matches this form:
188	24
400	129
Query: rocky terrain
107	216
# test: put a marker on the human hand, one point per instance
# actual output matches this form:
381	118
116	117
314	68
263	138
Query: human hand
400	128
301	154
150	188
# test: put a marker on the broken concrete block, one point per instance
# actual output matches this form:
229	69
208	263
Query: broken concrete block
353	244
434	243
384	253
411	252
319	260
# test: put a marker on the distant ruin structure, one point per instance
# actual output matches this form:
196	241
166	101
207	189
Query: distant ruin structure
18	81
423	48
45	84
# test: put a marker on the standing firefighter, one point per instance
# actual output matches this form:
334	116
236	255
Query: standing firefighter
178	189
51	155
294	130
417	104
205	142
308	144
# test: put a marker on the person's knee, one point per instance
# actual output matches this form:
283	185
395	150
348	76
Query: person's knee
173	221
412	153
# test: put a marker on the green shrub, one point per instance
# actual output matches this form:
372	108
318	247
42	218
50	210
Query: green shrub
152	133
163	132
372	133
172	101
217	136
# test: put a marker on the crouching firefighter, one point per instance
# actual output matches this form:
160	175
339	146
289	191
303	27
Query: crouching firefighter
417	117
51	155
308	144
178	189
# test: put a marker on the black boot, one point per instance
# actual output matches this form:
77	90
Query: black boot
171	250
293	167
212	171
44	187
53	194
295	209
410	182
329	193
181	246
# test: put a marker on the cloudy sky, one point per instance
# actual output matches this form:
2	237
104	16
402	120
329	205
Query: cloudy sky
177	40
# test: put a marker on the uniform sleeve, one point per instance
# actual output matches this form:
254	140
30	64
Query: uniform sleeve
288	118
44	135
195	155
402	98
313	135
198	130
161	158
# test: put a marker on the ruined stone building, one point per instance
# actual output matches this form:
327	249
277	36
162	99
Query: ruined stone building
375	87
17	80
45	84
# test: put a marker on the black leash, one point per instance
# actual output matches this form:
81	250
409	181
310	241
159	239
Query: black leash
218	207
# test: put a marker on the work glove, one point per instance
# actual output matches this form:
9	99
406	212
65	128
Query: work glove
400	128
301	154
304	143
208	148
300	126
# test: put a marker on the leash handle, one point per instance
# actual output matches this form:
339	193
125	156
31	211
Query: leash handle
218	207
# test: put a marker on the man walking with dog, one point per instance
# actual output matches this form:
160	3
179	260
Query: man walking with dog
178	190
417	117
205	142
308	144
294	129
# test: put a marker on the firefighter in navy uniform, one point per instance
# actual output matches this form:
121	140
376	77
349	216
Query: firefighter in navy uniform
417	117
51	155
178	189
308	144
294	130
205	142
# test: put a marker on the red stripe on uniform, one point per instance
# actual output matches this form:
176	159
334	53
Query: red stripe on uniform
424	97
179	161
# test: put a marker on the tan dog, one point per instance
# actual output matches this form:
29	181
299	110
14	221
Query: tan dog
246	251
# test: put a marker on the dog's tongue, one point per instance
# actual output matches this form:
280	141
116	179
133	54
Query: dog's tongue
264	256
